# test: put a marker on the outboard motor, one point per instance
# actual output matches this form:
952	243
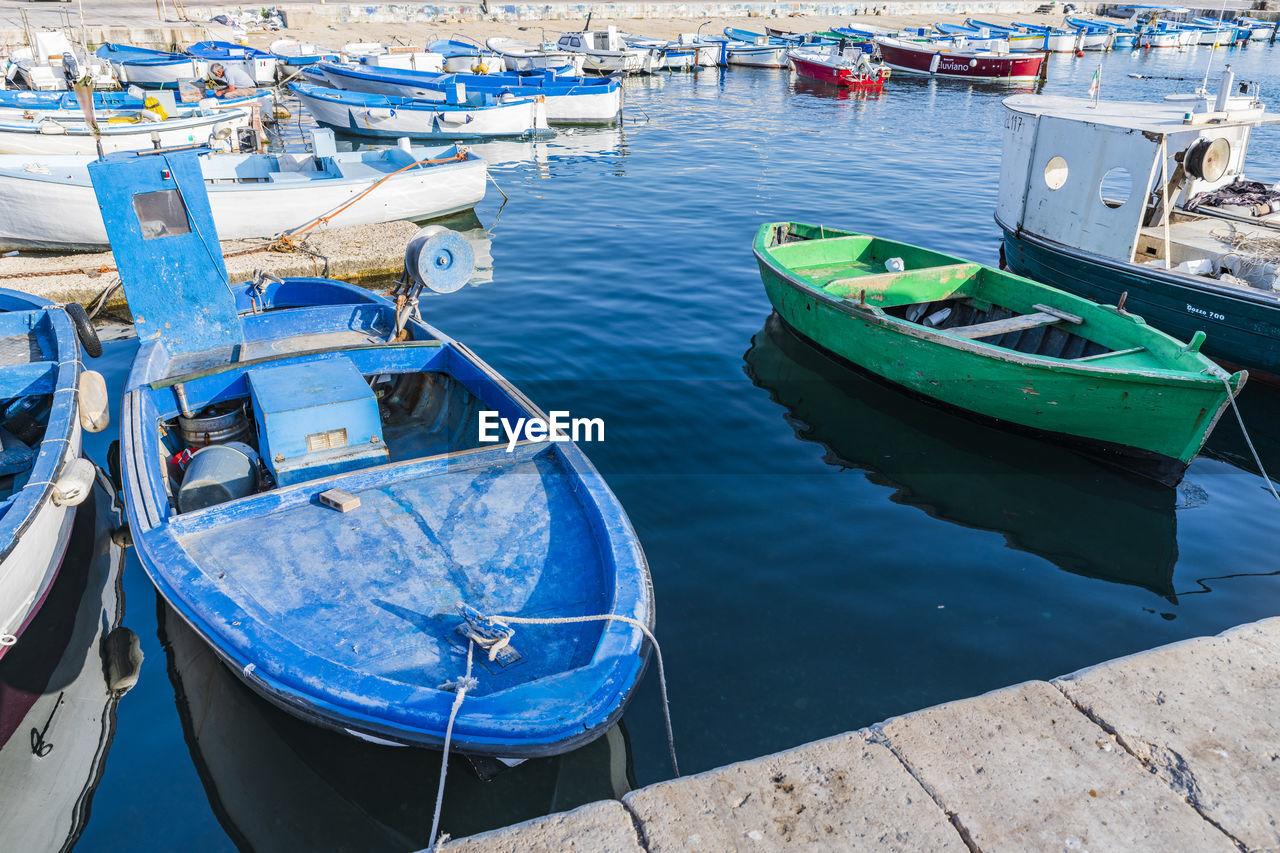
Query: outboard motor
70	68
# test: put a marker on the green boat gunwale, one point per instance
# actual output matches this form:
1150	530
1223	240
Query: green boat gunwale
1209	375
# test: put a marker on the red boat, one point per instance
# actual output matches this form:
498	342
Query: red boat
936	61
853	72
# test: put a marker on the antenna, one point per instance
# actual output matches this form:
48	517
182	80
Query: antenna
1204	84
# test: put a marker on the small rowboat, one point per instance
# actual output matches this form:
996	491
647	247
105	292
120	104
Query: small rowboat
854	71
939	61
46	400
999	346
310	485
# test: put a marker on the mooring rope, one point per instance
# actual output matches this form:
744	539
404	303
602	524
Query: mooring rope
493	645
1248	441
461	686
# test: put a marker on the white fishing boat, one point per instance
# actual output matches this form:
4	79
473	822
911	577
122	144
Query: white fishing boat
604	52
49	399
47	203
294	55
470	117
401	56
1148	205
664	55
53	61
59	694
67	133
763	52
523	56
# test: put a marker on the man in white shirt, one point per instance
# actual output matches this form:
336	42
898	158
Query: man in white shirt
230	82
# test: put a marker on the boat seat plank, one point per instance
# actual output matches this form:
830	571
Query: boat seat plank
1016	323
1043	316
32	377
884	280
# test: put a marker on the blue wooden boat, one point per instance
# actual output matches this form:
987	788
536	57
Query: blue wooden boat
342	533
42	477
25	100
466	56
569	100
157	69
461	115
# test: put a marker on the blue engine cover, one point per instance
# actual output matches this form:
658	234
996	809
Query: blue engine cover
316	420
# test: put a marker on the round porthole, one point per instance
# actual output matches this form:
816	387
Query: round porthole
1115	187
1055	173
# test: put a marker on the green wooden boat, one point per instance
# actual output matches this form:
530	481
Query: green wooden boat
998	345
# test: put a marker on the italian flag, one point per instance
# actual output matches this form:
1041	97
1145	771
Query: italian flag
1095	86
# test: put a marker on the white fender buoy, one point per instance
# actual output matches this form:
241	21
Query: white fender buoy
439	259
76	482
95	403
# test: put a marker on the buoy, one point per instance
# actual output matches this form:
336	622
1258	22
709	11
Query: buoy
95	405
122	659
1079	53
439	259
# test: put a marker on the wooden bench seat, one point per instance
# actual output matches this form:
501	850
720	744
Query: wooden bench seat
1044	316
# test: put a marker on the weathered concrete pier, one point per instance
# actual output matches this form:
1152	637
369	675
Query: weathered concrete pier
358	253
1173	749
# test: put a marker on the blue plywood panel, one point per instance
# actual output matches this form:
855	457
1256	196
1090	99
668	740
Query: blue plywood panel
156	212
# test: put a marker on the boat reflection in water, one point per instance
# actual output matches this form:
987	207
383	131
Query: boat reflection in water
1078	514
277	783
59	690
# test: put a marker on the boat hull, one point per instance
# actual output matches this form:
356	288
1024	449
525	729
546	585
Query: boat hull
1242	328
421	121
582	105
27	137
1148	422
49	213
758	57
28	571
935	63
849	78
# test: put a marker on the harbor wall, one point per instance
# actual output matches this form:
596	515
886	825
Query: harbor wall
1176	748
317	14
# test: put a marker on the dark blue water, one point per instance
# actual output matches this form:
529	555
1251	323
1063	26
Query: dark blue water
826	552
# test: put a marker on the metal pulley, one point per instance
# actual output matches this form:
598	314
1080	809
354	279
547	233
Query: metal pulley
436	258
439	259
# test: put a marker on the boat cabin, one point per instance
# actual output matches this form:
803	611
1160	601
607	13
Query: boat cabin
1140	183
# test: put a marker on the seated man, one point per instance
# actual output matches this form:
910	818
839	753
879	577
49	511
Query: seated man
230	82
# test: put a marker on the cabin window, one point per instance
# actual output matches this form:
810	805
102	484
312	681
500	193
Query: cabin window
161	214
1055	173
1115	187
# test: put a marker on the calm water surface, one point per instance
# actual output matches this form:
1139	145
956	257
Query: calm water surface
826	552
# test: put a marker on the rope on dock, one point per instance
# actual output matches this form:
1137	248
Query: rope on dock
492	633
1257	459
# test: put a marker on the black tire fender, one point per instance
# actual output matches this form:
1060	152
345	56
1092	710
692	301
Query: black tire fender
84	329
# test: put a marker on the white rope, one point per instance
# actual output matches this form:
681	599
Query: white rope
657	653
461	686
1257	459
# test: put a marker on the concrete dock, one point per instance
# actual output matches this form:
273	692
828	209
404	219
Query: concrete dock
1173	749
358	253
